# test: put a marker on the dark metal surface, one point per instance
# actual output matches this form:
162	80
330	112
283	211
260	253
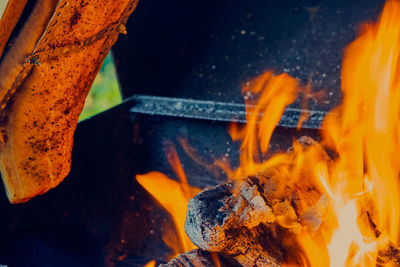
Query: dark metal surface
217	111
207	50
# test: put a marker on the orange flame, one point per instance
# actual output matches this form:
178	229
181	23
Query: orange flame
304	106
347	206
255	136
366	137
174	197
361	182
151	264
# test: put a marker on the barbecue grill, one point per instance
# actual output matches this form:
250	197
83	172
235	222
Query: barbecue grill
181	68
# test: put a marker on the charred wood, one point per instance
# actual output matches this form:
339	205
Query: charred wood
232	219
240	219
257	220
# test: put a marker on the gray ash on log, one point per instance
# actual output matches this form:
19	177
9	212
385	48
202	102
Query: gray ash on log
242	224
260	220
222	220
255	220
237	220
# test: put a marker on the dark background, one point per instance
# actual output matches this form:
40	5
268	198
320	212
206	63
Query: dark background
208	49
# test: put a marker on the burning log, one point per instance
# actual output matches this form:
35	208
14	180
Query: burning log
306	207
246	219
221	220
255	221
239	222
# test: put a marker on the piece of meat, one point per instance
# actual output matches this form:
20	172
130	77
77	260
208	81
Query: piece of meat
45	77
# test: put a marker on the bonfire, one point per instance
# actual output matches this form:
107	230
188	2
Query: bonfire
329	202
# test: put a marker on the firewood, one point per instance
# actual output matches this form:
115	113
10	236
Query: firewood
201	258
232	219
238	218
255	220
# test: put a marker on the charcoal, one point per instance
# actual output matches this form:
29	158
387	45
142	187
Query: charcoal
233	219
255	220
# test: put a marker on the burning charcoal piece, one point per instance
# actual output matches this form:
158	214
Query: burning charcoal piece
201	258
232	219
235	220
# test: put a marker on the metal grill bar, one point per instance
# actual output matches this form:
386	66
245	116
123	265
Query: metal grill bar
216	111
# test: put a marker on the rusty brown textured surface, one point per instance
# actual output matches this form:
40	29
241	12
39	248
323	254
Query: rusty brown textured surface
40	109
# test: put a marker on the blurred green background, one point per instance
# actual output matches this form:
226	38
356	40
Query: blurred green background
105	92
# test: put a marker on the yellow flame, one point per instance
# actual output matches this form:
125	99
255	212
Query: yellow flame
174	197
256	134
364	131
362	180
